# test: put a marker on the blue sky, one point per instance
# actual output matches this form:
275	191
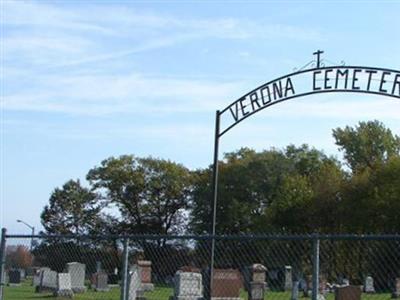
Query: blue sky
85	80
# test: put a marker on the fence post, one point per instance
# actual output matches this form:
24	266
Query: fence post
2	260
124	279
315	278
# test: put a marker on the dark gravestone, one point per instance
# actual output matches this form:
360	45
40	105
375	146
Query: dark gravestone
396	289
113	278
226	283
14	277
351	292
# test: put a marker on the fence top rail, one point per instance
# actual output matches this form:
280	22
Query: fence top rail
314	236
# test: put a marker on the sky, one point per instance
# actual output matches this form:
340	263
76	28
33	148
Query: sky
85	80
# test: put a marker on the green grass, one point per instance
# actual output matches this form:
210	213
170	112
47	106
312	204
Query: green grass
26	292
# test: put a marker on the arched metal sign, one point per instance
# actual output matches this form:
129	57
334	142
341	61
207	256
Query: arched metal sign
342	79
316	80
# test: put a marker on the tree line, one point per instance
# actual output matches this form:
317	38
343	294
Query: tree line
298	189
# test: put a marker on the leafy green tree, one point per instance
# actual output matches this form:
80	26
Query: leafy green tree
372	200
267	191
72	209
367	145
152	195
289	211
247	184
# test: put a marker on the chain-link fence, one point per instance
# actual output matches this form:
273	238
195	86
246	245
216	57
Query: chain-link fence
178	267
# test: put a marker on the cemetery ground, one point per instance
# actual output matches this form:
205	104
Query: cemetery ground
26	291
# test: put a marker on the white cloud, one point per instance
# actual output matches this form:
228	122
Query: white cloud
132	93
59	36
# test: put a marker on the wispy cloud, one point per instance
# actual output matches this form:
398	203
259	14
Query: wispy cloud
132	93
68	36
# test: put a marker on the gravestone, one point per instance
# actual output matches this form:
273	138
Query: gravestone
322	288
287	285
36	279
14	278
396	289
37	276
345	282
369	285
100	282
64	286
295	290
113	279
188	286
23	273
308	286
98	266
77	271
351	292
48	280
256	281
307	291
226	284
190	269
134	283
145	275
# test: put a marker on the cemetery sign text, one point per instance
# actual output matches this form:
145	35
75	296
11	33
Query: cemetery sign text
350	79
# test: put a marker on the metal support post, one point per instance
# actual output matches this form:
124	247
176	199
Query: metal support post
125	273
214	203
315	278
2	261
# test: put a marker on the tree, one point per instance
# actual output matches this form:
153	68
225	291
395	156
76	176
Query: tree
18	257
372	200
368	144
248	183
72	209
267	191
152	194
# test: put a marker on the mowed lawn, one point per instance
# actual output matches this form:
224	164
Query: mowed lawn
26	291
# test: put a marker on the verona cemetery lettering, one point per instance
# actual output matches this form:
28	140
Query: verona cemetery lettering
314	81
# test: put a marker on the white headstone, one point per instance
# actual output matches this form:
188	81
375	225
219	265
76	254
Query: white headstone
134	282
369	285
345	282
77	271
48	279
36	280
288	278
188	285
64	285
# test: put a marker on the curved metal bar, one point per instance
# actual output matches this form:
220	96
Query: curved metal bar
306	93
303	95
306	71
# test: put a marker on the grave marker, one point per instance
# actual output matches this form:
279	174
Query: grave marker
226	284
77	271
396	289
188	286
64	286
145	275
134	283
369	285
48	280
14	277
351	292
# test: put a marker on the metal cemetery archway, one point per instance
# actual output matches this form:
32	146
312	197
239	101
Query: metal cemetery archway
319	79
